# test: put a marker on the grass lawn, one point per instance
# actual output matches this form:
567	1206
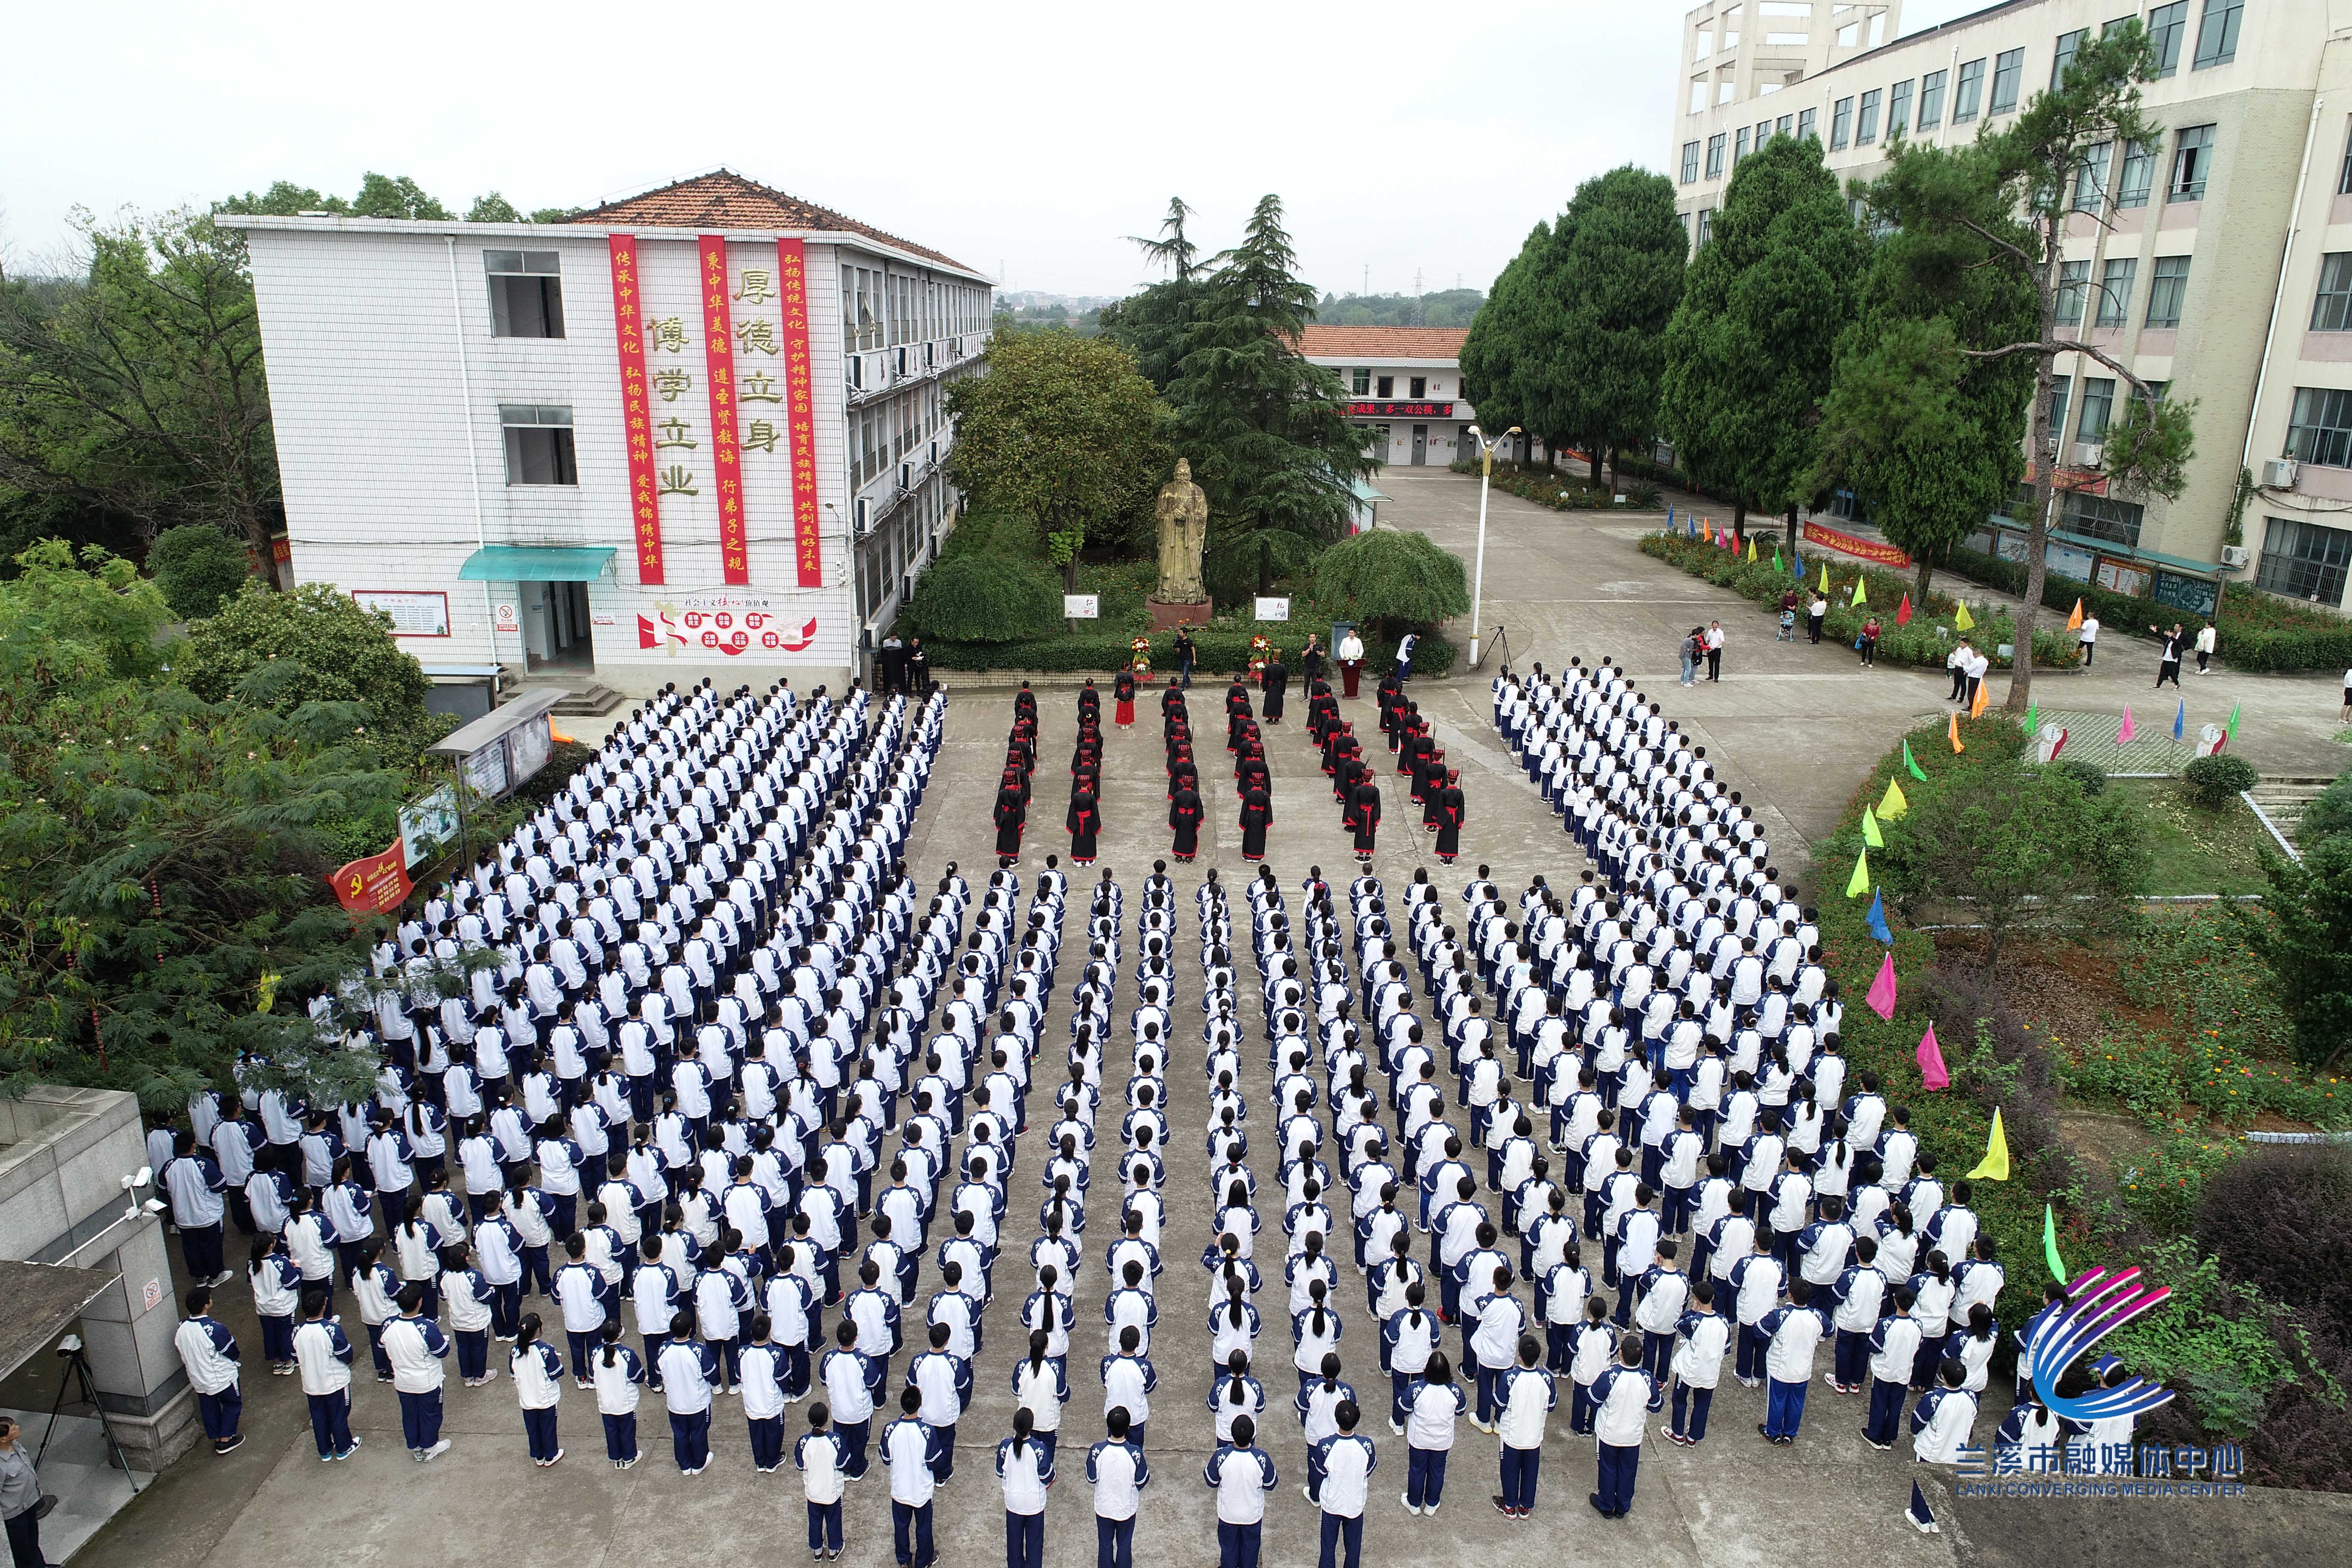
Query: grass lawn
2196	851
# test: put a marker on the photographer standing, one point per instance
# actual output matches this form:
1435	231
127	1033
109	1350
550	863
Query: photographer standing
21	1503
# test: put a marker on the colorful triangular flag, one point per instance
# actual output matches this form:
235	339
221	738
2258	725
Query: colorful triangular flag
1952	733
1983	696
1882	990
2032	720
1932	1071
2125	731
1777	564
1903	610
2074	621
1825	576
1910	763
2050	1244
1870	834
1859	597
1751	550
1994	1166
2231	728
1892	804
2180	720
1962	620
1877	919
1857	884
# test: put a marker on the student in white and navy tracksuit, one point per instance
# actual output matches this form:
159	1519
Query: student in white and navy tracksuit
689	1370
821	1457
943	1380
1702	1336
1942	1419
538	1369
619	1378
1118	1472
760	1373
1894	1350
906	1456
323	1353
416	1348
1241	1474
209	1354
1524	1396
1432	1404
847	1390
1620	1398
1025	1469
1346	1460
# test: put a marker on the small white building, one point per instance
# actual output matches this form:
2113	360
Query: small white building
1404	386
699	429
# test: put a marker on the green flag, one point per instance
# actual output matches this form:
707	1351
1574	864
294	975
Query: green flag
1870	834
2033	720
2049	1244
2233	718
1910	763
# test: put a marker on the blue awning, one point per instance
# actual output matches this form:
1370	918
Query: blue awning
536	563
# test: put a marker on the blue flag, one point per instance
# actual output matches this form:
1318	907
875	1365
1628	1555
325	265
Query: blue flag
2180	719
1877	917
1670	517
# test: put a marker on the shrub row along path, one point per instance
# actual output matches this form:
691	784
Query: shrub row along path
1798	727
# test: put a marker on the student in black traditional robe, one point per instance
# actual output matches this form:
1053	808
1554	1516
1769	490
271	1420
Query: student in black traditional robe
1184	773
1275	680
1411	726
1351	773
1391	698
1257	815
1451	810
1084	822
1237	713
1122	690
1334	743
1252	774
1184	816
1365	816
1025	703
1418	745
1089	702
1428	779
1012	814
1171	699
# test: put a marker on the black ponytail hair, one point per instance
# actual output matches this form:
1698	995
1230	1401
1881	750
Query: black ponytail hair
1315	1317
1037	1342
1047	1277
1022	1423
1237	1368
612	1334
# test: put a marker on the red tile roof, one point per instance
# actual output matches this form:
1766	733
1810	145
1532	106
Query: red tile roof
724	199
1382	342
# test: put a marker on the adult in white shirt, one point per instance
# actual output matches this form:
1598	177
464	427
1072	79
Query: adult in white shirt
2088	637
2206	640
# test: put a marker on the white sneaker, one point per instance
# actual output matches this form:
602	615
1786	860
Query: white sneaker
435	1451
1404	1497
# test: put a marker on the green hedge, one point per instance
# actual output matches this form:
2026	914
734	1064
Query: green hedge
1217	652
2257	631
1926	641
1565	492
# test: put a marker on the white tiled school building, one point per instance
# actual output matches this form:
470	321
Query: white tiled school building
552	446
1403	386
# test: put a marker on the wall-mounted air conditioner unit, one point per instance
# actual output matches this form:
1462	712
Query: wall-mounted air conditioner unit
2234	556
2280	473
2088	454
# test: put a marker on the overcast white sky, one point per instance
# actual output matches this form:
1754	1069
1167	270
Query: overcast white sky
1022	138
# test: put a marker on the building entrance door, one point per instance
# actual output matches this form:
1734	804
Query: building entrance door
1420	445
555	628
1381	443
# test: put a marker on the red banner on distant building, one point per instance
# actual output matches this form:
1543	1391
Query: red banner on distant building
636	416
1868	549
719	355
374	885
800	418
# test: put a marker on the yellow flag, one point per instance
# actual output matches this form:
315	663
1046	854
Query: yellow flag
1962	619
1751	550
1859	597
1859	883
1894	805
1953	732
1825	576
1977	708
1870	834
2074	621
1994	1167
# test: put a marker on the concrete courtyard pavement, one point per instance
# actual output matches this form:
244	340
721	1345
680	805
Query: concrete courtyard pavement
1796	727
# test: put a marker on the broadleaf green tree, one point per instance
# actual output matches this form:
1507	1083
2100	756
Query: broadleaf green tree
1388	580
1622	266
2307	939
196	568
1749	356
2005	203
1063	428
1511	342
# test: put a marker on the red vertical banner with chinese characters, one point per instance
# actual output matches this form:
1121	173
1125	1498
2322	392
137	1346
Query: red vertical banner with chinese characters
800	405
718	354
636	418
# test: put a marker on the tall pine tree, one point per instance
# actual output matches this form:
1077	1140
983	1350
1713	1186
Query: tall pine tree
1266	431
1750	350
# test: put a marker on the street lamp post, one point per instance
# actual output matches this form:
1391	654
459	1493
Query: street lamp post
1478	572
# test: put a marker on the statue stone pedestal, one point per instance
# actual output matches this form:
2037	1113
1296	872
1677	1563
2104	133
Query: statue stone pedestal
1165	616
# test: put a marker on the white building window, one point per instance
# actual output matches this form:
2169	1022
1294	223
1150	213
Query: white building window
1360	381
526	293
539	444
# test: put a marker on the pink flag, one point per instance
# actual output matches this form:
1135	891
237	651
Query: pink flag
1931	1061
2124	733
1882	990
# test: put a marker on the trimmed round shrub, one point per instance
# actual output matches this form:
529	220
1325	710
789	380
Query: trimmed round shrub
986	599
2212	781
2090	775
197	567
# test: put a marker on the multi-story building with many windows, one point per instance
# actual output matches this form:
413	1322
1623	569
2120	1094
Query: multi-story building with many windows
2215	260
695	429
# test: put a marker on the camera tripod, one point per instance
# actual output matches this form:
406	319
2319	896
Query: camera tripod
78	1379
